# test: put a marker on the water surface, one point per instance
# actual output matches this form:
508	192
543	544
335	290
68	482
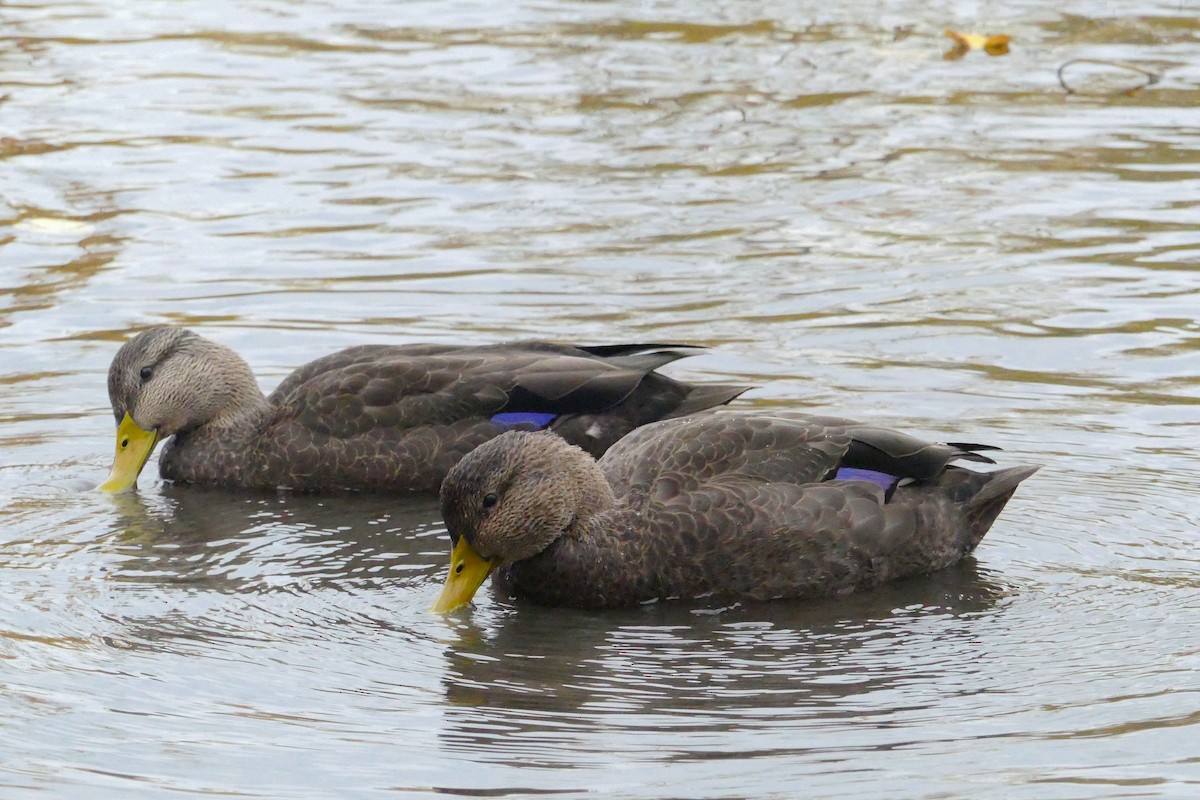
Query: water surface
854	223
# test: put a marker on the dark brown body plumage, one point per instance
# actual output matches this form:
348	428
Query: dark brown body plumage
728	505
390	418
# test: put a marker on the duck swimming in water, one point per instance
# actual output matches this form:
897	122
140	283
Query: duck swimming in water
375	417
735	506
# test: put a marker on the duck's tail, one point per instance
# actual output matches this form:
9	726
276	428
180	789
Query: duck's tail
986	504
649	357
705	396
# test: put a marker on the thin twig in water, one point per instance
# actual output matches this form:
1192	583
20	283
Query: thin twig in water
1151	77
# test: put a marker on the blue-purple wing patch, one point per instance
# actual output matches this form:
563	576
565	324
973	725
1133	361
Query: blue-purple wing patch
881	479
524	420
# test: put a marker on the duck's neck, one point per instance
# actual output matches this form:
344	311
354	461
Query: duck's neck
221	451
592	498
237	408
589	566
244	417
241	411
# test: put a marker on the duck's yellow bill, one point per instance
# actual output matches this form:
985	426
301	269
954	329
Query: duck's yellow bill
468	571
134	447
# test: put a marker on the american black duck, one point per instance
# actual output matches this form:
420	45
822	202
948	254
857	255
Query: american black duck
375	417
737	506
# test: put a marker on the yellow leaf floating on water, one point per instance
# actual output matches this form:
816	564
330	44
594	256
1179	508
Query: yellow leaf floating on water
994	45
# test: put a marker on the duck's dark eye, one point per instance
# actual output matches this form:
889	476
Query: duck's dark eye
489	500
146	373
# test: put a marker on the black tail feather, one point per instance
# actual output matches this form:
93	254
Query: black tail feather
969	451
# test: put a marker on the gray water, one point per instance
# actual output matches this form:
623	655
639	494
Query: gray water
854	224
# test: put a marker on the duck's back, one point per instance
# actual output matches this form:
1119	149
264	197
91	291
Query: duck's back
760	507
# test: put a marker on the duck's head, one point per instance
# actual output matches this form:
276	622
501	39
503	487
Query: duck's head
165	381
510	499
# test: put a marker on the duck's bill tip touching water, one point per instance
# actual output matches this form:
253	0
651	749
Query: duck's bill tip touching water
134	446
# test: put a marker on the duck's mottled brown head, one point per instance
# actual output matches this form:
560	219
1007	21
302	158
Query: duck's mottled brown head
169	380
511	497
509	500
133	370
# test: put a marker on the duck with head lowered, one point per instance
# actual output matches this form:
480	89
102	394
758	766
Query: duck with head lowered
730	506
375	417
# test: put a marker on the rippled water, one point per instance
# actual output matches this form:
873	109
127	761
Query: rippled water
853	222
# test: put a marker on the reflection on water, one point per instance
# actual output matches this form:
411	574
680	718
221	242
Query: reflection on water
667	669
858	226
228	553
198	535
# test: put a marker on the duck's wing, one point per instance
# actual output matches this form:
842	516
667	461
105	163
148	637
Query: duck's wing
346	361
669	459
602	392
903	455
789	448
760	506
370	388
